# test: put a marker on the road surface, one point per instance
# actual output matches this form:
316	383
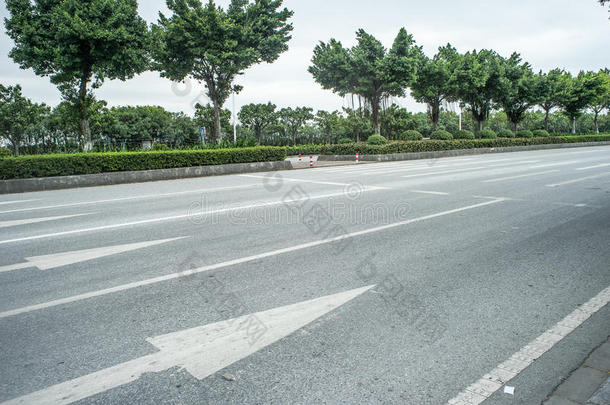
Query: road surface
421	282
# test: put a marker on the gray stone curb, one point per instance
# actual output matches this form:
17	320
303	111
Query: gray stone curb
107	179
459	152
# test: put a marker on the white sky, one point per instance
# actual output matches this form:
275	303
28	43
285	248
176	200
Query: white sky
570	34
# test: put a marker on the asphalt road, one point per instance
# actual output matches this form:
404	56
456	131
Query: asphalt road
404	282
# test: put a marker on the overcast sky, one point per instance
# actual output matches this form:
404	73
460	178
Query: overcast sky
570	34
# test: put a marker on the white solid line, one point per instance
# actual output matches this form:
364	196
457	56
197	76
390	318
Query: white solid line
594	167
444	172
15	202
571	162
494	380
429	192
234	262
141	197
175	217
520	176
18	222
201	351
577	180
56	260
330	183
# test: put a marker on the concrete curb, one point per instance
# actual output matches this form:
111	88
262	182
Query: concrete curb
107	179
458	152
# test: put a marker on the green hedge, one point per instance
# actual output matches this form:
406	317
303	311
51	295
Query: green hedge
91	163
303	150
433	146
376	140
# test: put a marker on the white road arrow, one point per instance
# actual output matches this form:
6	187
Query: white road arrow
201	351
63	259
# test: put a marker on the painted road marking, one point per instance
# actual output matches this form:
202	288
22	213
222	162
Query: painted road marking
204	212
330	183
577	180
53	261
201	351
497	378
444	172
443	166
18	222
429	192
15	202
567	163
234	262
140	197
520	176
594	167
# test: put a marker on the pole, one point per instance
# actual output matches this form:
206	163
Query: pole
234	121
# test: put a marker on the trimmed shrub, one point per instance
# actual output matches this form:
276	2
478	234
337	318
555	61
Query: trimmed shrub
441	135
303	150
525	134
464	134
541	133
376	140
410	135
159	146
5	152
487	134
506	133
23	167
345	141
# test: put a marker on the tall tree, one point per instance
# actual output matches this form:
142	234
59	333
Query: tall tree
78	44
601	96
328	124
477	79
292	121
214	46
205	117
17	115
517	89
548	86
367	69
577	93
433	85
258	118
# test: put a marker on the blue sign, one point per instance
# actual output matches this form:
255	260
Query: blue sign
202	135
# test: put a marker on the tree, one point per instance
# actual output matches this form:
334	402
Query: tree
258	118
476	79
517	89
433	85
292	121
329	124
17	115
205	117
78	43
367	69
395	121
214	46
577	93
548	86
601	97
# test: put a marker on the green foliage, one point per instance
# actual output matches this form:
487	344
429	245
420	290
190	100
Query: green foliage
5	152
329	124
525	134
506	133
345	141
433	146
205	118
78	42
159	146
464	134
540	133
577	93
486	134
441	135
548	87
291	121
91	163
214	45
304	150
395	121
367	69
376	140
516	91
258	118
411	135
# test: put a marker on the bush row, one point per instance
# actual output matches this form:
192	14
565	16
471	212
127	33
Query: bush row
440	145
303	150
92	163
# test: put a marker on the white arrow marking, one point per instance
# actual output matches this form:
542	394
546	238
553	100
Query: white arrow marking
201	351
66	258
6	224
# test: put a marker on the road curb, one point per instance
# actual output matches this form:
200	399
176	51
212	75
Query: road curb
108	179
457	152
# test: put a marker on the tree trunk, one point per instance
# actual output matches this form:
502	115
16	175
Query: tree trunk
480	125
546	120
595	124
82	95
573	125
217	130
514	125
15	148
435	114
375	111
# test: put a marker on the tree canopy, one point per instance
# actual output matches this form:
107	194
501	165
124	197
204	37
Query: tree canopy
258	118
516	91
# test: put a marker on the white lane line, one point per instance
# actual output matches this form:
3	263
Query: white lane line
521	176
140	197
18	222
494	380
234	262
567	163
429	192
56	260
330	183
490	167
444	172
15	202
178	217
594	167
577	180
201	351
